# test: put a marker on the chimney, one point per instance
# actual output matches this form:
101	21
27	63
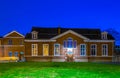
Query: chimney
59	29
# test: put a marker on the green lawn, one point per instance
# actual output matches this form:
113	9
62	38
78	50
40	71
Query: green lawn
58	70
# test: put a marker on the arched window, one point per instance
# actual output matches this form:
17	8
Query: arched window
69	43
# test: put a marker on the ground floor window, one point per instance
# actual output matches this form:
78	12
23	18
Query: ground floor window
104	49
10	54
34	49
45	49
93	49
56	49
82	49
16	54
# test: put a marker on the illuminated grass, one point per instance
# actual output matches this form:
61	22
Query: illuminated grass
58	70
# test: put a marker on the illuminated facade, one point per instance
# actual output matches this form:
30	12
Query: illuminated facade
64	44
59	45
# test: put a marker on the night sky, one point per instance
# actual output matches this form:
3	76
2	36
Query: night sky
21	15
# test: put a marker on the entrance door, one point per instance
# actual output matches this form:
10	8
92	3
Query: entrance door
69	55
45	49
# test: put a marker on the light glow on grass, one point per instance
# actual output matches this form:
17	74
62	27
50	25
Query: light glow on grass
58	70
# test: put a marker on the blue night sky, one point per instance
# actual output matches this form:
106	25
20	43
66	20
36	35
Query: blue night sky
21	15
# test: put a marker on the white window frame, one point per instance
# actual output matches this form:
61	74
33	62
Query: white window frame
54	49
76	44
43	49
15	54
34	35
104	35
84	48
94	49
33	49
103	49
65	44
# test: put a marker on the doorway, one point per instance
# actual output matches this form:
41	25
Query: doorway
70	55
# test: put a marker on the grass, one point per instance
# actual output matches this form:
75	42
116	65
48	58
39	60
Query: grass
58	70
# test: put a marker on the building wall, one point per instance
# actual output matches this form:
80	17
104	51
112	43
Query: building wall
16	46
78	58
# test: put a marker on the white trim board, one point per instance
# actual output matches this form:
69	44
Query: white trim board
70	31
40	40
13	32
99	40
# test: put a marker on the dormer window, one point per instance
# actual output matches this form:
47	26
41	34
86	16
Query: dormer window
34	35
104	35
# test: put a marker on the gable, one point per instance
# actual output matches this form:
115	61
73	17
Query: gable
72	32
14	34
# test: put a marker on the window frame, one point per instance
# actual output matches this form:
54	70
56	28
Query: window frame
95	49
82	49
16	54
34	47
54	49
105	49
9	54
10	42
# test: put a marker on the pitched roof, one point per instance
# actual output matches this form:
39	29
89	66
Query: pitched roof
47	33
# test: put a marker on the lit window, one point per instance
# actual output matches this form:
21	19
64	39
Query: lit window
34	49
16	54
10	54
93	49
104	50
10	42
82	49
56	49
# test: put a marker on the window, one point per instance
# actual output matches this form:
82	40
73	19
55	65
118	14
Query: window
10	54
75	44
104	49
93	48
65	44
10	42
16	54
34	35
69	43
21	42
82	49
45	49
104	35
34	49
56	49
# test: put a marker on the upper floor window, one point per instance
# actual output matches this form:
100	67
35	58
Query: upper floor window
69	43
104	49
10	42
34	35
104	35
93	49
21	42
